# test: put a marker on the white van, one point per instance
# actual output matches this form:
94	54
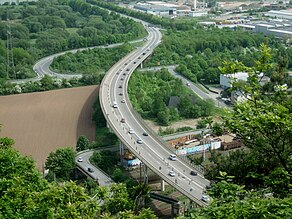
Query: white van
172	157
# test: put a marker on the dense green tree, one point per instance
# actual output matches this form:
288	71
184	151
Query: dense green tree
263	121
61	162
150	93
232	201
25	194
119	201
217	129
82	143
106	160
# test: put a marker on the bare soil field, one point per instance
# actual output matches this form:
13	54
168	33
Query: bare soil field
44	121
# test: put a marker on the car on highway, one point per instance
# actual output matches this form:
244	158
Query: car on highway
80	159
120	86
123	120
123	100
115	104
172	157
188	84
139	141
193	173
145	133
122	79
121	94
90	170
205	198
131	131
124	73
171	173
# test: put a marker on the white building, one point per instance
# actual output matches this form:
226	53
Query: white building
226	80
156	9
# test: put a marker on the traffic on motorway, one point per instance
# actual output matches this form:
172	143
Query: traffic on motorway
135	135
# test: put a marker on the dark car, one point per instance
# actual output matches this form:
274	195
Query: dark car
120	86
121	94
123	120
90	170
145	133
193	173
122	79
124	74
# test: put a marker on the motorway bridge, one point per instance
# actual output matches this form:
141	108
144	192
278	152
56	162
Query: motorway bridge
130	128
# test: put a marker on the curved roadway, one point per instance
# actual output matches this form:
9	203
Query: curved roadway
152	152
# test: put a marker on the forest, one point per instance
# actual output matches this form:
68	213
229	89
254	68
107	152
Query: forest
94	61
46	27
150	93
198	53
24	193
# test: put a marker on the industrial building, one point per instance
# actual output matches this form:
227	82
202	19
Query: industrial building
282	14
156	9
278	29
182	8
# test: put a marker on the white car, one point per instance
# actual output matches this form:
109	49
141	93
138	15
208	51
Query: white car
80	159
131	131
171	173
172	157
205	198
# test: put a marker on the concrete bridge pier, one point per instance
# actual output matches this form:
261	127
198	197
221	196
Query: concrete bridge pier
162	185
145	171
122	149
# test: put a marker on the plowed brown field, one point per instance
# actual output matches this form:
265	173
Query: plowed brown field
44	121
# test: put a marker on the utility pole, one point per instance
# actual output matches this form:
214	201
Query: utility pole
10	68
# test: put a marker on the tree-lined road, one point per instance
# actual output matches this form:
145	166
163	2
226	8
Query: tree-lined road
152	151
